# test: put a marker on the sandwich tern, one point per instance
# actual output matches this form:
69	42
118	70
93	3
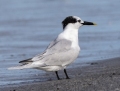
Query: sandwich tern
61	52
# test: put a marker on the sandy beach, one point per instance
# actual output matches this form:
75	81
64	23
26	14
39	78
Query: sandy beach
98	76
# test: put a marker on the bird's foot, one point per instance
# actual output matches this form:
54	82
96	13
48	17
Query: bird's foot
67	78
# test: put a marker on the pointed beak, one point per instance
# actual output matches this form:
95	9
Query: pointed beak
88	23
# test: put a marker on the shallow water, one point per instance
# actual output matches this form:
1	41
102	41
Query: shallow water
28	26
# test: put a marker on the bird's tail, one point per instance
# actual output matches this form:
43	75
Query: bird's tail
20	67
15	68
25	64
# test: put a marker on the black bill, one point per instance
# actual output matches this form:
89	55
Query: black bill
88	23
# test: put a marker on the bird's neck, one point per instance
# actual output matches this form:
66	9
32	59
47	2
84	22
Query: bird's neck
70	34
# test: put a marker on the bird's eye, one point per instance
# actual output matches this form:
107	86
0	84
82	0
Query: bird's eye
79	20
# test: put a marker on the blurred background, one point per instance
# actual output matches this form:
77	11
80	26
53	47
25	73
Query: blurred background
28	26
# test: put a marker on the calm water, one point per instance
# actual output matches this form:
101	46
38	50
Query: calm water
28	26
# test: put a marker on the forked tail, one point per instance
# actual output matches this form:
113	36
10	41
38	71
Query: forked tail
20	67
25	64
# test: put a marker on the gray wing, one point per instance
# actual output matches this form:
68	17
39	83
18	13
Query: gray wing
59	46
55	53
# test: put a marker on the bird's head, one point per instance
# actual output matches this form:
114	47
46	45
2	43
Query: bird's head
74	22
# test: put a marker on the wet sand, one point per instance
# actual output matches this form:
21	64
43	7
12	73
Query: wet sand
98	76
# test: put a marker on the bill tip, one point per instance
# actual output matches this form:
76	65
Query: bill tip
94	24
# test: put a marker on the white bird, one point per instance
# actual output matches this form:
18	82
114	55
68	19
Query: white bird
61	52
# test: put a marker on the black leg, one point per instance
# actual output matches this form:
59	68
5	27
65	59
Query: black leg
57	75
67	77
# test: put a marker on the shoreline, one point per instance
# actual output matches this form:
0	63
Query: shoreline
98	76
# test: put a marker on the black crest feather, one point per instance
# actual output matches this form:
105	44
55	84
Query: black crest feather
67	20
